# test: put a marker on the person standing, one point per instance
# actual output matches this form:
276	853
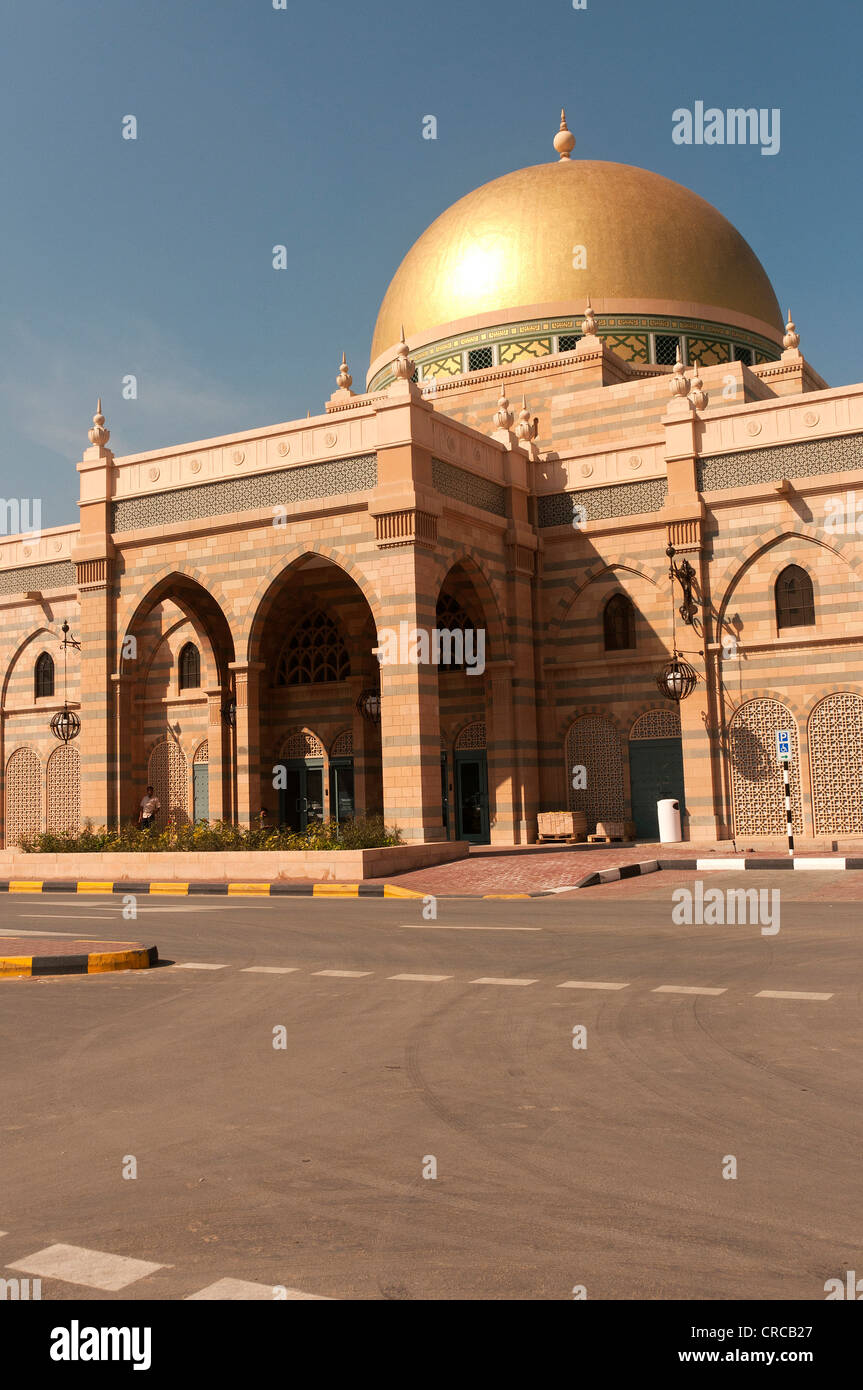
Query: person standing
149	809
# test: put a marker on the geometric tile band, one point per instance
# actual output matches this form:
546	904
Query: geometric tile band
311	480
467	487
840	455
19	581
623	499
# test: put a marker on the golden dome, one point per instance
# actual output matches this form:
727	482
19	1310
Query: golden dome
651	246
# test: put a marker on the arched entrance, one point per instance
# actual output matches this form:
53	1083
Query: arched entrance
836	758
757	786
655	767
298	778
593	743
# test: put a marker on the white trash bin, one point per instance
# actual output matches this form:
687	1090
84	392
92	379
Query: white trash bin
669	822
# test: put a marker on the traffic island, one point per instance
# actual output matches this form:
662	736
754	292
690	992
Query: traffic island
21	958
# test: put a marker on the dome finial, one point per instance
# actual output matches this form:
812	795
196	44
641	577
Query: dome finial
792	337
503	418
588	323
344	379
696	395
524	428
678	384
564	140
99	435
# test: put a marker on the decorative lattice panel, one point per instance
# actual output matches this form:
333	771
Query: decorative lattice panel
302	745
632	347
467	487
18	581
624	499
314	653
707	352
310	480
524	351
23	795
757	787
202	752
64	791
656	723
840	455
343	745
836	758
594	744
168	774
471	737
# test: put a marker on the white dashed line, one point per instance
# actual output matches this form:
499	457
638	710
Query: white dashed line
446	926
591	984
343	974
233	1290
197	965
419	977
95	1269
269	969
789	994
686	989
491	980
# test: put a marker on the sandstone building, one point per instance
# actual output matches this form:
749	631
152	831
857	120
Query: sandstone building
597	368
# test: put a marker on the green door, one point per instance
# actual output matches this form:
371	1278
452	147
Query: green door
201	791
301	799
655	772
471	797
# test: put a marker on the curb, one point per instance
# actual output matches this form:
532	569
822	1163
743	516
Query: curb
245	890
652	866
94	963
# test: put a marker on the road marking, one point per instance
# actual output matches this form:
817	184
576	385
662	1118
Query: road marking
447	926
801	862
789	994
493	980
233	1290
197	965
95	1269
431	978
701	864
343	974
50	917
686	989
269	969
591	984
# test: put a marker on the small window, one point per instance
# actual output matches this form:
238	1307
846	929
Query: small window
479	359
795	600
190	667
619	624
743	354
44	676
568	342
666	350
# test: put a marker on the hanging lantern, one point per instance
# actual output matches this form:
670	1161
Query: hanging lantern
677	680
65	725
369	705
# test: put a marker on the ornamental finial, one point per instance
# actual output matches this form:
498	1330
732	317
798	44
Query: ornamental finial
503	417
564	140
792	337
98	434
524	428
403	366
588	325
344	379
678	384
696	395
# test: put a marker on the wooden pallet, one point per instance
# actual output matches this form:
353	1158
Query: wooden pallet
608	840
563	839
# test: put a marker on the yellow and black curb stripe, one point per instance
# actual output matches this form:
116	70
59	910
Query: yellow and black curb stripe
92	963
241	890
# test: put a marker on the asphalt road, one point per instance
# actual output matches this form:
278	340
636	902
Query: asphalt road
302	1167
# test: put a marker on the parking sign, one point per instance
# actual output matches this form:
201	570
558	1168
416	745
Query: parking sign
783	745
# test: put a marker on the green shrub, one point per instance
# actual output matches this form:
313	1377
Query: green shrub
366	832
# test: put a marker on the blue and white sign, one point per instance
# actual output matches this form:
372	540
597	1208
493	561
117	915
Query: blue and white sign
783	745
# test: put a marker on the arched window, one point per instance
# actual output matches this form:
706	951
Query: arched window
190	667
314	652
795	601
618	622
450	616
44	683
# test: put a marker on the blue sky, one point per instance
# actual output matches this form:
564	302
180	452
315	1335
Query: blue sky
304	127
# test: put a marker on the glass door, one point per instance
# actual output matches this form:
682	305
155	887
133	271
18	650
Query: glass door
471	779
301	799
342	790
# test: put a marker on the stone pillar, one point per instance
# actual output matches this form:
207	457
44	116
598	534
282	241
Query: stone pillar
92	555
504	793
247	732
216	731
126	791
